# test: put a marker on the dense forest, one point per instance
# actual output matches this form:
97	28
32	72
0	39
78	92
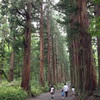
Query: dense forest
45	42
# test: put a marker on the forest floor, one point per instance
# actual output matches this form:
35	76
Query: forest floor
57	96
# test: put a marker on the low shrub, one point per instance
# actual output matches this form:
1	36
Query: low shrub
12	93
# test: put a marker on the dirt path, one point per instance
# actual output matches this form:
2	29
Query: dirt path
57	96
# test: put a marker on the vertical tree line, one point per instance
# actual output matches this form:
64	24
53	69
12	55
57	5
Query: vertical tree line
82	67
21	18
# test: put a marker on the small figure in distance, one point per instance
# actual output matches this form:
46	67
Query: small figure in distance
66	88
73	91
62	94
52	91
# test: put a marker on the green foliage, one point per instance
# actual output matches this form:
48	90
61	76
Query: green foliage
37	89
69	10
96	1
12	93
94	28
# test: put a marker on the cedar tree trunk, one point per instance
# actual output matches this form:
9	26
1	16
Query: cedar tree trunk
27	50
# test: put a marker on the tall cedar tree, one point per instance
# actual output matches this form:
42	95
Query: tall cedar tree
86	65
49	48
27	48
81	59
41	46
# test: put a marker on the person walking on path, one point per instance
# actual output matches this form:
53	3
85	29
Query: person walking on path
52	91
73	91
62	94
66	88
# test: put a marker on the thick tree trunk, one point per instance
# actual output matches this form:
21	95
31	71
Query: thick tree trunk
27	50
75	62
41	47
85	58
82	67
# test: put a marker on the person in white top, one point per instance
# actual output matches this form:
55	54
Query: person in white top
66	88
73	91
52	91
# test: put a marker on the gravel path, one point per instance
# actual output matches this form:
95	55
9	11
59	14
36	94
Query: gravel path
57	96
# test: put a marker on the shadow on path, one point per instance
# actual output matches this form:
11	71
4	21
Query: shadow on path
57	96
